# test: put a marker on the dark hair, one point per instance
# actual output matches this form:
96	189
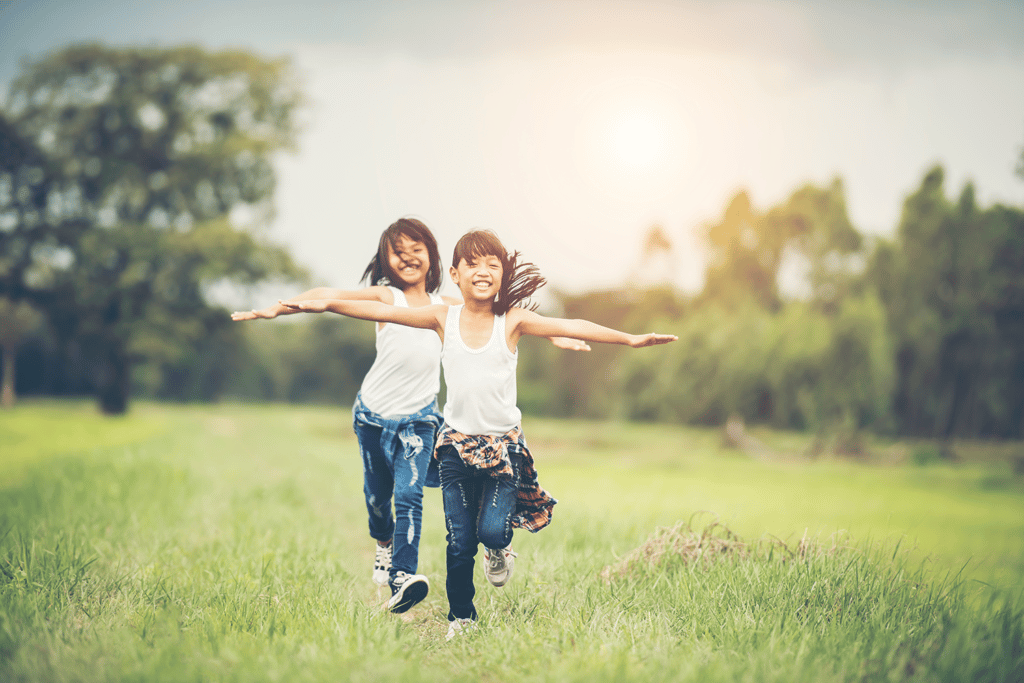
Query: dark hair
379	272
519	279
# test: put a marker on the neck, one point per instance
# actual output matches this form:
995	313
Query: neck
476	307
414	289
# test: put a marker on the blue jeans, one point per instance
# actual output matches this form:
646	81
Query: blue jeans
397	463
477	509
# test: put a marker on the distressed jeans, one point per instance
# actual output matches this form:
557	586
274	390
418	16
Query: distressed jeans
477	509
396	460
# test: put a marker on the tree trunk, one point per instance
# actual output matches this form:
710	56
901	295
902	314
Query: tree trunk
115	380
7	394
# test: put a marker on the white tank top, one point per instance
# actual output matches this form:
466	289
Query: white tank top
404	377
481	382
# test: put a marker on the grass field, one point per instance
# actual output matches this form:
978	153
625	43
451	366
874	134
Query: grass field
229	543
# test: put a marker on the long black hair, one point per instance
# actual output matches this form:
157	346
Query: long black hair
519	279
379	272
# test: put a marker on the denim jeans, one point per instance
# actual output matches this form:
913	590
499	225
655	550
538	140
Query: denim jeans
478	509
396	461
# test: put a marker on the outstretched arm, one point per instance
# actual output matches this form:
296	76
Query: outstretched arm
564	343
569	344
424	317
381	294
528	322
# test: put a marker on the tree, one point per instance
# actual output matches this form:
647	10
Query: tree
748	247
745	257
820	231
27	238
17	321
656	265
955	302
161	177
26	241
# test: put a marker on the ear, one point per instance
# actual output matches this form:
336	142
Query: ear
454	274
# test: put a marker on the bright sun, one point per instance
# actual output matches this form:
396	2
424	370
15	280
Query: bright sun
636	139
633	149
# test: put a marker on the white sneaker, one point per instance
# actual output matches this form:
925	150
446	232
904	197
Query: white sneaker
382	565
498	565
406	591
459	626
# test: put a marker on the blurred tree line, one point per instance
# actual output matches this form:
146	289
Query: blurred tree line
133	181
921	334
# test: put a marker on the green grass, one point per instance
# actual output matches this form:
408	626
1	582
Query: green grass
229	543
35	431
968	515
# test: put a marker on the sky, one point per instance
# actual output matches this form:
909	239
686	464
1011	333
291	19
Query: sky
570	127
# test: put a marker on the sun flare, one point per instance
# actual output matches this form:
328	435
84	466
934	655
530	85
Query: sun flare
633	146
636	139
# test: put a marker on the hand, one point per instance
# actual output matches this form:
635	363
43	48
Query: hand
308	306
570	344
652	339
254	314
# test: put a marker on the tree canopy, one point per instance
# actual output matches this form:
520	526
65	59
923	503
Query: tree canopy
747	246
144	177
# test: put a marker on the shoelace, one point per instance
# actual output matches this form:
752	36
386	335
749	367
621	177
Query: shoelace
498	557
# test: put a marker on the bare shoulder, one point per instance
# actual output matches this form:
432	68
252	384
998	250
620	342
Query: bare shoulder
382	294
515	314
451	300
516	317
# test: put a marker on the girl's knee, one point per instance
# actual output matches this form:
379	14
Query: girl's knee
496	535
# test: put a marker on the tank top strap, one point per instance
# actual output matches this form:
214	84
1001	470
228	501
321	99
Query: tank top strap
498	335
451	324
399	297
435	298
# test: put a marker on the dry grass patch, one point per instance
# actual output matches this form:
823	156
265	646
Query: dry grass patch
712	543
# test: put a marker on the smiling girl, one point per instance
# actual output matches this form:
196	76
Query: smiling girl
395	415
488	480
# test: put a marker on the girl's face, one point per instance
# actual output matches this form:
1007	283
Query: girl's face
479	278
409	260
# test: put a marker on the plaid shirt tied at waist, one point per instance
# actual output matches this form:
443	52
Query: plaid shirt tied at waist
491	455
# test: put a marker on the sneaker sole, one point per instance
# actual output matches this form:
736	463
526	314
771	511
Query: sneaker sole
498	583
407	596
